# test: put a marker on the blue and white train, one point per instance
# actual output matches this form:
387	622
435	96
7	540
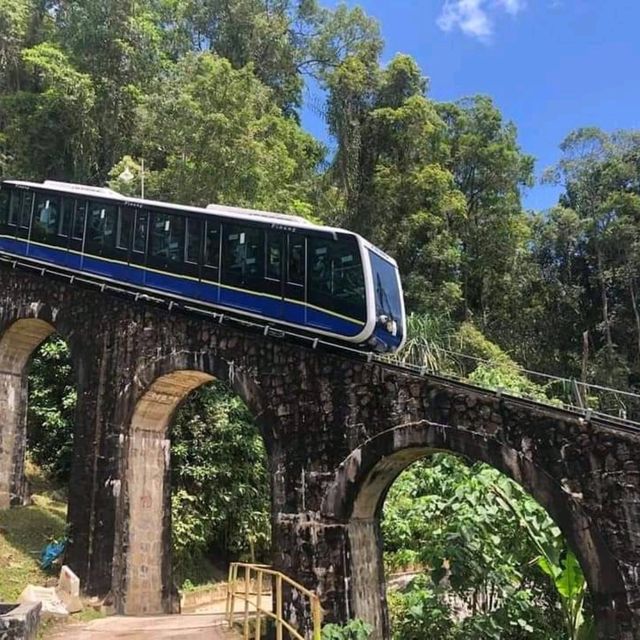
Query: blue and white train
283	270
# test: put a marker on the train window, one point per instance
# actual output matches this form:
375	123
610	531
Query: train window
140	231
192	241
14	207
66	217
125	228
4	206
385	285
46	218
25	210
242	249
335	276
273	255
78	220
295	265
212	248
167	237
101	225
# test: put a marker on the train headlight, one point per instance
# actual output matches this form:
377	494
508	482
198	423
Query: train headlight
389	324
392	327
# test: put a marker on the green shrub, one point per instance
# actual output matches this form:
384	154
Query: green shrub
353	630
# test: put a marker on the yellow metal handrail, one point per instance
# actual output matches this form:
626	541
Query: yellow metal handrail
254	604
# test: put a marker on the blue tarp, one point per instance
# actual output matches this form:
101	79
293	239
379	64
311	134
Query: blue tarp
51	553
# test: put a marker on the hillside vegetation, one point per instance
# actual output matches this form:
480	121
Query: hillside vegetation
25	531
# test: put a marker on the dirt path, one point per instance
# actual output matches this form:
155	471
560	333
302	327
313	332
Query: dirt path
182	627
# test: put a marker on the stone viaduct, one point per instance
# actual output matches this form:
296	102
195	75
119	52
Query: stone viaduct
337	431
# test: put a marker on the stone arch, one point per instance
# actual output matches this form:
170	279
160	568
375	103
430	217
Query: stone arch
17	344
218	368
143	573
357	492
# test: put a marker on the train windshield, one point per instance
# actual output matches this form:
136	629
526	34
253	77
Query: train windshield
386	287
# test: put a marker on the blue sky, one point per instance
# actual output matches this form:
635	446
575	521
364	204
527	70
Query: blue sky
550	65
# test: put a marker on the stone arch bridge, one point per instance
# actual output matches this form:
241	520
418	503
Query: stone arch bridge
337	431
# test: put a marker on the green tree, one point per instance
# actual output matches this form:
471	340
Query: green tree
118	45
48	126
475	555
212	133
389	168
490	170
283	40
600	173
52	404
221	495
14	25
562	567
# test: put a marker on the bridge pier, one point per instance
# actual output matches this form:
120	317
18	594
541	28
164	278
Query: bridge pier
337	432
13	401
146	499
17	344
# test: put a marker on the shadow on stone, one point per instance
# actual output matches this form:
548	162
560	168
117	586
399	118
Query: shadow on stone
19	622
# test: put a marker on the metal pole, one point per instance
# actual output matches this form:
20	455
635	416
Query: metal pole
259	605
247	578
142	176
227	607
317	618
231	589
279	607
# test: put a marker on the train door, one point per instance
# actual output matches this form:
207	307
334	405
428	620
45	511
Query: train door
211	260
274	254
10	201
50	227
295	279
76	240
5	198
138	254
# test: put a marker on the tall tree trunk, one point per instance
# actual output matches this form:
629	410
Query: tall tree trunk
585	354
636	313
605	303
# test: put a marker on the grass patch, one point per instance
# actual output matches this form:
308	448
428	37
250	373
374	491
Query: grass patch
24	531
198	573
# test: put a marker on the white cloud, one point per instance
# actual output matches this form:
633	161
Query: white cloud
511	6
473	17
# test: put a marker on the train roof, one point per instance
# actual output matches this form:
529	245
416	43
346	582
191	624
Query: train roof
218	209
267	217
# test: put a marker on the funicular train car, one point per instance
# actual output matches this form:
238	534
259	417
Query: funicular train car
282	270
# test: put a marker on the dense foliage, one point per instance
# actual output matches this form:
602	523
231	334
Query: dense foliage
220	489
209	93
51	409
488	560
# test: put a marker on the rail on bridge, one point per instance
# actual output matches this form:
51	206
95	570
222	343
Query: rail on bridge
255	586
586	398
